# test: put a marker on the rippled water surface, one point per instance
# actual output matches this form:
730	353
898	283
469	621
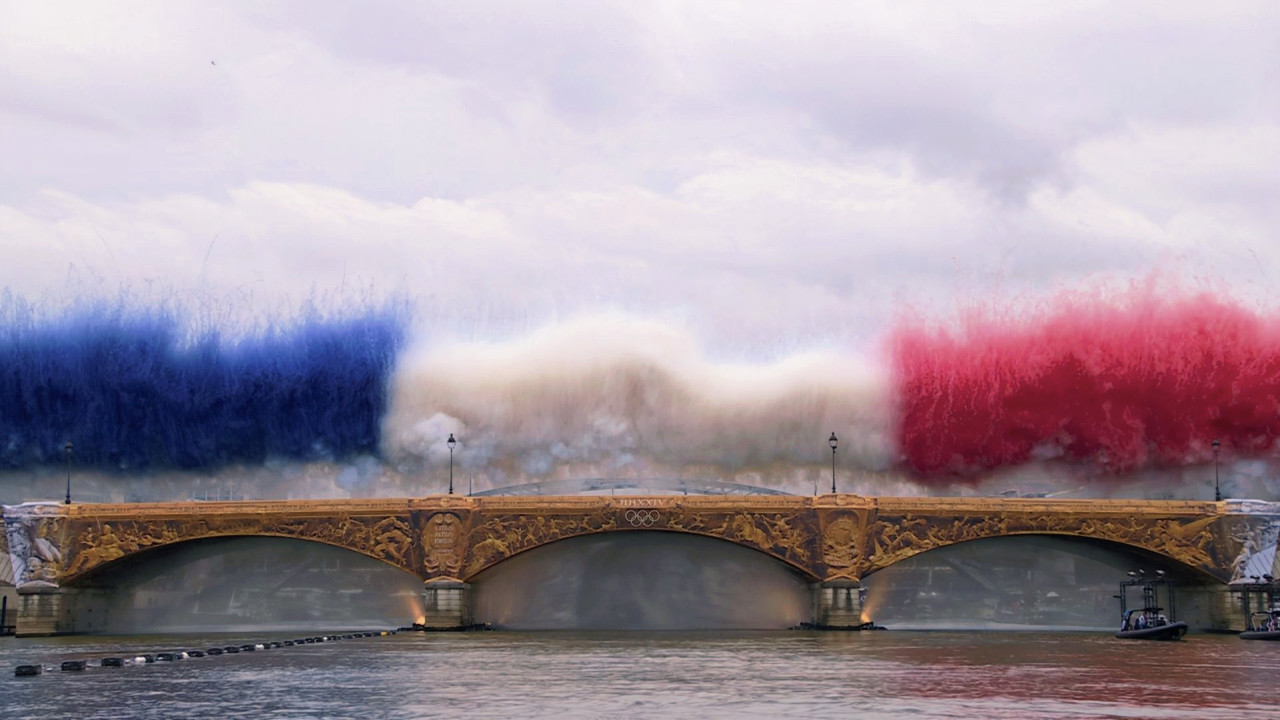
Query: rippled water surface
562	674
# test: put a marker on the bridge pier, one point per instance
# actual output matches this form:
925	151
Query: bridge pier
837	604
44	611
446	604
1212	607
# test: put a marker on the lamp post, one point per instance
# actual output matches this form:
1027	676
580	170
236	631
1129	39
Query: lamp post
1217	489
451	442
832	442
69	447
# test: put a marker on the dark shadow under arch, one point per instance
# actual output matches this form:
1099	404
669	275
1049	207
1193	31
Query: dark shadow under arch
800	570
249	582
1016	581
642	579
144	555
1184	570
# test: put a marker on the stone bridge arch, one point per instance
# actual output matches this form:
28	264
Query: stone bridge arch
99	568
1195	535
97	537
1138	552
747	532
461	543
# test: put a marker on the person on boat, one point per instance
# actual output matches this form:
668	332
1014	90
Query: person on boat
1142	620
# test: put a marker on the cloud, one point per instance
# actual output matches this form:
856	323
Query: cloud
775	181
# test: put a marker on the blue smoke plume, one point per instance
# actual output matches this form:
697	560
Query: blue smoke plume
134	390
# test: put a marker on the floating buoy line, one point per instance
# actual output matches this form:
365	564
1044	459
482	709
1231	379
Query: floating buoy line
163	657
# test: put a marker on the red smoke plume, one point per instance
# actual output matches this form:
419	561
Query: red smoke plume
1143	382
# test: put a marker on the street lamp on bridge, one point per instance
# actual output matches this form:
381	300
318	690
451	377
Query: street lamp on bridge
832	442
451	443
1217	489
69	447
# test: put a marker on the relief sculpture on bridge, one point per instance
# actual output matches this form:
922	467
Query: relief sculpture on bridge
1187	540
843	544
93	543
33	536
846	537
498	537
442	544
778	534
1257	554
494	538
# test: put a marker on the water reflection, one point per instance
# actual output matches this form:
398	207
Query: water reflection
635	674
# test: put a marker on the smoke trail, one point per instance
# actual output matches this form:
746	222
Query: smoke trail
617	396
1135	382
135	389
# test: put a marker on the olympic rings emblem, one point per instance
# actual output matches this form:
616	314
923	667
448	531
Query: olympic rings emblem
641	518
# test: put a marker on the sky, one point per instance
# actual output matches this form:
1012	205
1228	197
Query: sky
754	184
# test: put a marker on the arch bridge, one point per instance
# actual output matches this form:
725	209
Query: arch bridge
834	541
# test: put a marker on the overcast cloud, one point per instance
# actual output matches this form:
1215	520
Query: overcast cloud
774	177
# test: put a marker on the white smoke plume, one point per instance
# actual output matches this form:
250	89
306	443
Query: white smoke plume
618	396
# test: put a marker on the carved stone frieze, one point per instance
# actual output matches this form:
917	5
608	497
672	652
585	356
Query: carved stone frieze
34	534
1188	540
452	537
1254	540
95	542
783	533
844	534
442	544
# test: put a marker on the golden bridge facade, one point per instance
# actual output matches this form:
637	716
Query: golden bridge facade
60	552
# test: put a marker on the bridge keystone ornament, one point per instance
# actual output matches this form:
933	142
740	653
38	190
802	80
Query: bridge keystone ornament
642	517
442	544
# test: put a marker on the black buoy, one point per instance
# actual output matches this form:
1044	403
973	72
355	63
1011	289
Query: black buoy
112	662
195	653
72	665
247	648
164	657
27	670
215	651
231	649
148	658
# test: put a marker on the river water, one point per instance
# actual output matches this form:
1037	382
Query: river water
891	674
